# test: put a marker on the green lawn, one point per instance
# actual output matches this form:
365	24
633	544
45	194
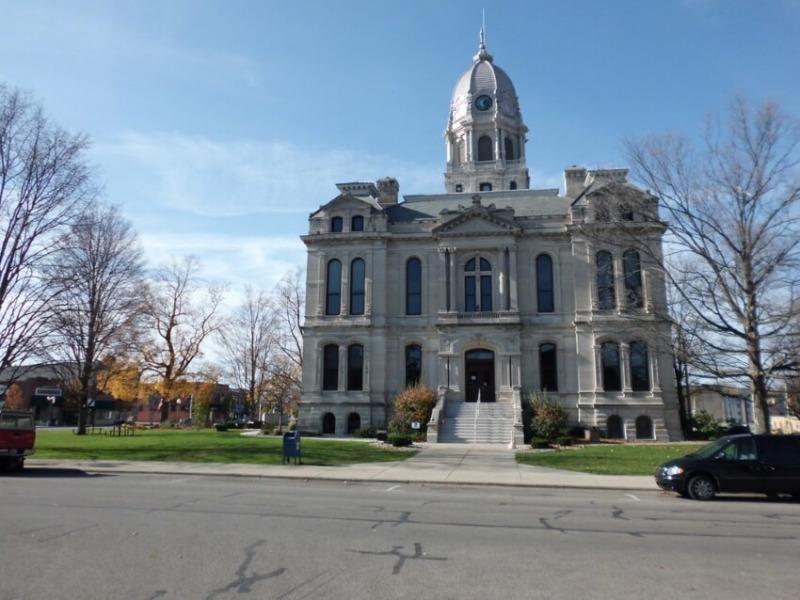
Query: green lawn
609	459
205	446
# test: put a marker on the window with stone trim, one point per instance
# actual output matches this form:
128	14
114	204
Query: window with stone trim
632	274
357	286
333	282
330	367
640	373
414	286
478	285
611	372
545	298
413	364
548	368
509	149
355	367
606	296
337	224
357	223
485	148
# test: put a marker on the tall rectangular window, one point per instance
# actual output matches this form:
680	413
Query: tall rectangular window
606	297
486	293
548	368
414	287
413	365
470	300
355	367
544	284
330	367
609	356
333	281
357	286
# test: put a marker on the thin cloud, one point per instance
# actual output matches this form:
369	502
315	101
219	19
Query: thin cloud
212	178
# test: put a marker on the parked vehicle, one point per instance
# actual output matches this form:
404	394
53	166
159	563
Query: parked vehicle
17	437
766	464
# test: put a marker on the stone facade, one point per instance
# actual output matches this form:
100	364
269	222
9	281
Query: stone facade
494	289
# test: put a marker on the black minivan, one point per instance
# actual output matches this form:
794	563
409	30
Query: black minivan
766	464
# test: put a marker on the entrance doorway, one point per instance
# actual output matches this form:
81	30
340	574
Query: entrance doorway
479	372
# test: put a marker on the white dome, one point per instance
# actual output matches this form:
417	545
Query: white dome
485	77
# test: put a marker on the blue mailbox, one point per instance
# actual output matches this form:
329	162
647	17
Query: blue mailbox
291	447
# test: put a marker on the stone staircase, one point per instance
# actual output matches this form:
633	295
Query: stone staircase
494	423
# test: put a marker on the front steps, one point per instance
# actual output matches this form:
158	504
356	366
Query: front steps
493	425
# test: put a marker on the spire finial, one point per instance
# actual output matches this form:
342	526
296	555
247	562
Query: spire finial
482	53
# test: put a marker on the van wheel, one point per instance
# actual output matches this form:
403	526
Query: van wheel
701	487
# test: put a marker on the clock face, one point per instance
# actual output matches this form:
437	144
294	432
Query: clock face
483	102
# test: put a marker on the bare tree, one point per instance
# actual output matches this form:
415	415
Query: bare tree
44	181
182	314
289	307
733	209
249	339
96	274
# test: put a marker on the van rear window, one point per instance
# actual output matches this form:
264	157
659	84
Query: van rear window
22	422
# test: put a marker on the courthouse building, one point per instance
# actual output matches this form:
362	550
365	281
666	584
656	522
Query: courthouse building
489	291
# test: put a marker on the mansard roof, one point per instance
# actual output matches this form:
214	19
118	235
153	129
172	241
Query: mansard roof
524	203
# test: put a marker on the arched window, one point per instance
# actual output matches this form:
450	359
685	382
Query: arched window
640	374
459	188
512	185
632	271
509	149
413	364
485	151
544	284
413	287
357	271
644	428
478	285
329	423
353	423
355	367
606	298
357	223
333	297
485	187
548	368
336	224
609	356
614	428
330	367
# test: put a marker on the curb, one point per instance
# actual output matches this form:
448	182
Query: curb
346	480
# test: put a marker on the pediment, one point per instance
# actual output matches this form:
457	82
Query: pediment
343	202
477	222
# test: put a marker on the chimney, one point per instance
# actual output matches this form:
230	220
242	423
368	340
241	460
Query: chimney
388	189
574	181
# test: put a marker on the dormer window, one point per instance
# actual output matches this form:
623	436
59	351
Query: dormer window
357	223
512	185
459	187
336	224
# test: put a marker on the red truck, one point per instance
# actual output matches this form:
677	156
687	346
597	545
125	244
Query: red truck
17	437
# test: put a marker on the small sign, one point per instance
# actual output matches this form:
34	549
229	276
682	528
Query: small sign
415	425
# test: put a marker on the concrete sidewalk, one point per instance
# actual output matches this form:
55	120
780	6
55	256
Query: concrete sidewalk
457	464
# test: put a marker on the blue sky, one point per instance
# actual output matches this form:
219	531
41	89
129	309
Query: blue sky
218	126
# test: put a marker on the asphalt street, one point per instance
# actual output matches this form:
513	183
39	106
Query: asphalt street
66	534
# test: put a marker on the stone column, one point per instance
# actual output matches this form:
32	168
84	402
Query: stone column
598	367
655	379
345	292
442	277
368	270
342	368
513	282
625	367
453	279
322	266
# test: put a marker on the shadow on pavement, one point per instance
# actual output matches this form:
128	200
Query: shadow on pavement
51	473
